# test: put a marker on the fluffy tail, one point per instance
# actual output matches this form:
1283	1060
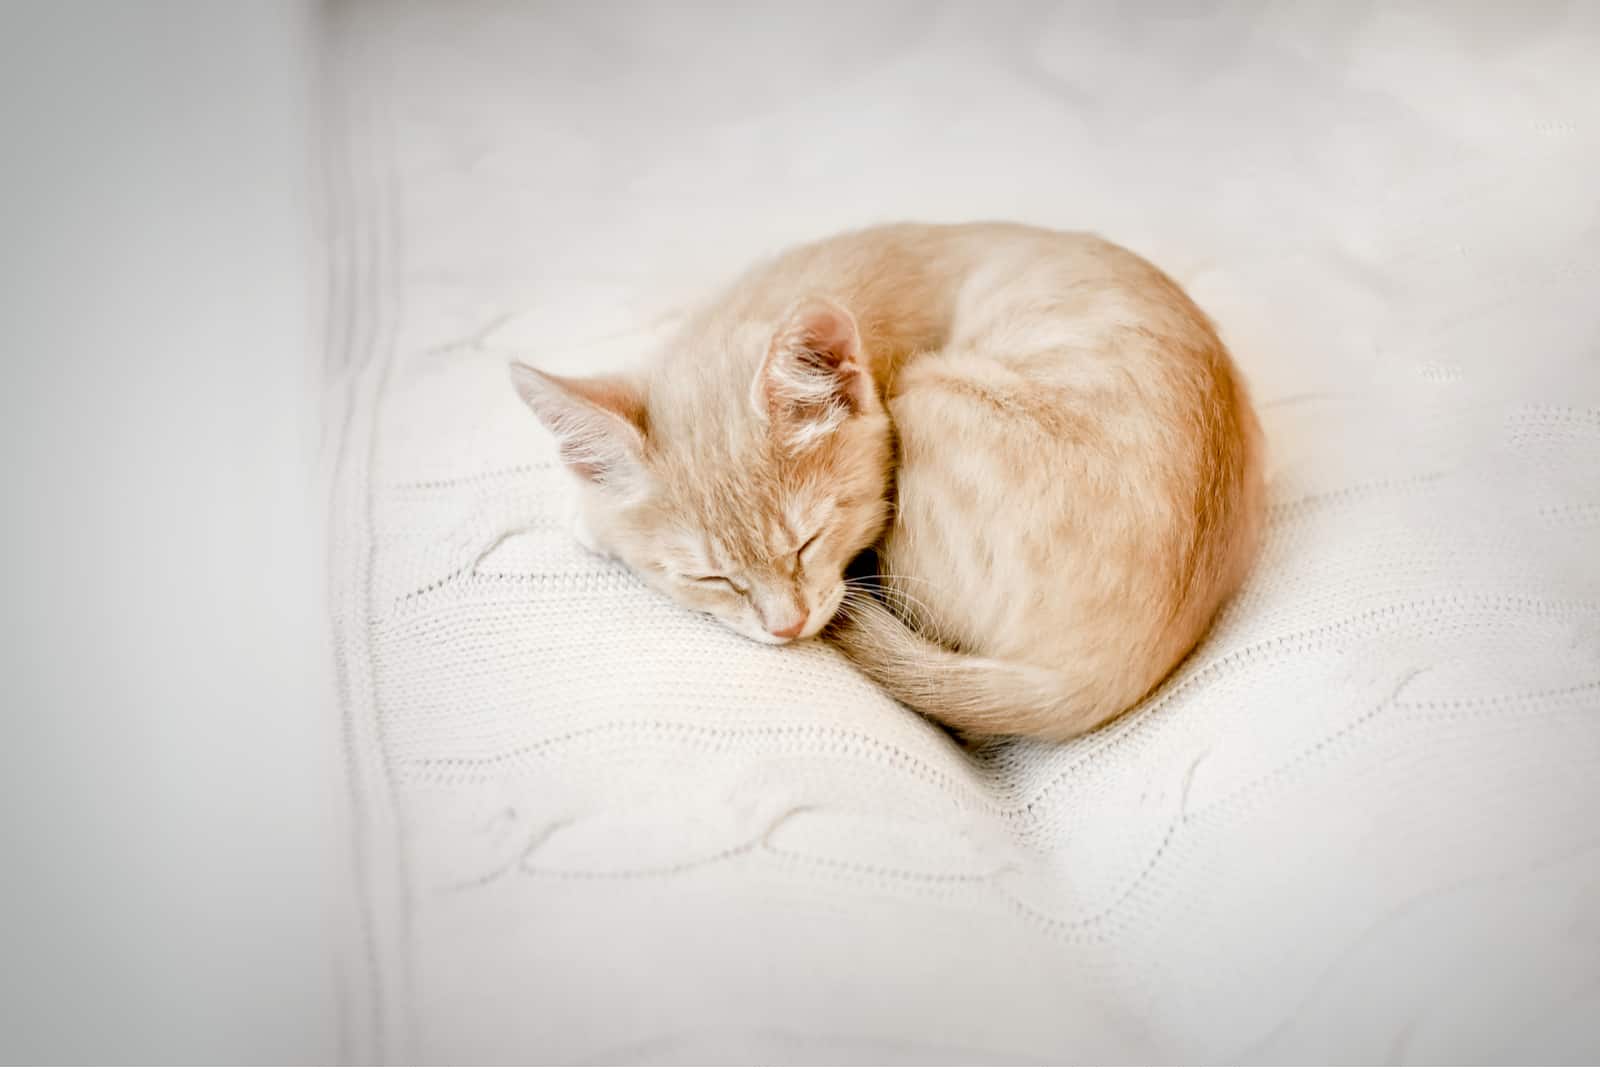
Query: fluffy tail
973	694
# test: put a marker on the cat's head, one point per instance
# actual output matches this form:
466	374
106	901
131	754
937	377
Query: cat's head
743	496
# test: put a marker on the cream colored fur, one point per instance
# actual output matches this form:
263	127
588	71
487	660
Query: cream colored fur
1039	432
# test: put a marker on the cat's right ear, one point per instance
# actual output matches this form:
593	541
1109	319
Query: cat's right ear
814	376
599	422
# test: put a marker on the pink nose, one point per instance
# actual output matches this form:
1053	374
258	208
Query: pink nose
791	630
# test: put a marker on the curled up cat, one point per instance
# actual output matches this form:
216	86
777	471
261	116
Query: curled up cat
1040	435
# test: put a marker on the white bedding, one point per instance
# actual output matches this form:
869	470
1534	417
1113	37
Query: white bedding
1358	824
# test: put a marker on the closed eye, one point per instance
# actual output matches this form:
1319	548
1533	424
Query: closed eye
807	546
722	581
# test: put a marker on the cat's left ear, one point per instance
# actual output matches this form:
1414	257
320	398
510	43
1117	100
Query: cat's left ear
814	376
599	423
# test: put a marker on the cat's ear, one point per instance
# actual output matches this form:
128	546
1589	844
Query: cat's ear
814	376
599	423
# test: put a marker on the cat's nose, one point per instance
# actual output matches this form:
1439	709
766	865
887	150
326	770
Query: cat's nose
791	630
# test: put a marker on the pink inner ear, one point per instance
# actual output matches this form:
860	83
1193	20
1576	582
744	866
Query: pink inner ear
607	393
812	378
599	423
824	328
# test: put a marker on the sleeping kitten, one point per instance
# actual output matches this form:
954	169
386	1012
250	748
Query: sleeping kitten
1040	434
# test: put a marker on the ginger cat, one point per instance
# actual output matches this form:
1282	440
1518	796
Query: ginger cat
1039	433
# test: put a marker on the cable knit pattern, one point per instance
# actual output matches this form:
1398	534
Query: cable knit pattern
1358	824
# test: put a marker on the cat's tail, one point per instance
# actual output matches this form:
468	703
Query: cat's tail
973	694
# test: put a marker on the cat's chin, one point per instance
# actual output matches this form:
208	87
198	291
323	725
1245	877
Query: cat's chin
766	639
756	634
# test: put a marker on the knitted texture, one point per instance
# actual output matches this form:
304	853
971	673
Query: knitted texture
1358	824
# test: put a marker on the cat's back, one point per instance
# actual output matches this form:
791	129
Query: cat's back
907	275
915	286
948	252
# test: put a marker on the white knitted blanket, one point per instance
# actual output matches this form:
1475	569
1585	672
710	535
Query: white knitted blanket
1358	824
